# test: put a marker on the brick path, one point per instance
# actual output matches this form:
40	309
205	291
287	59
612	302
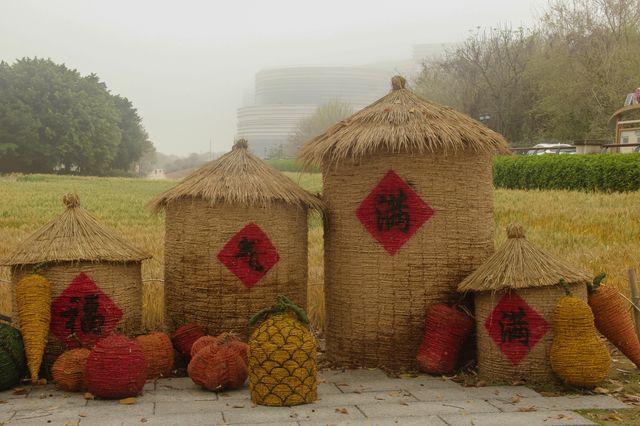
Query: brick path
356	397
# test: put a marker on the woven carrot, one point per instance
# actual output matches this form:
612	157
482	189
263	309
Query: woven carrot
33	299
612	319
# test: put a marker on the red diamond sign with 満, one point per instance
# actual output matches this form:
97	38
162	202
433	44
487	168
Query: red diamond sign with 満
393	212
249	254
515	327
83	314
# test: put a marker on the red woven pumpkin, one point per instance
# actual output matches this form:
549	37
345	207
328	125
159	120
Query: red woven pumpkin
158	352
116	368
235	344
446	329
219	366
202	343
185	336
68	369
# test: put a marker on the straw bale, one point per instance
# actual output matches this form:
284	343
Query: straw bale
400	122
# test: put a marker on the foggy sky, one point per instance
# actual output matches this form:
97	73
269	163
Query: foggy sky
186	65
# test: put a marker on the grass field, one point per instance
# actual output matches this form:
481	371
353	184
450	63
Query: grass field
600	232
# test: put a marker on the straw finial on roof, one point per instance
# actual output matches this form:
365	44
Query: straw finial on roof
73	236
400	123
520	264
238	177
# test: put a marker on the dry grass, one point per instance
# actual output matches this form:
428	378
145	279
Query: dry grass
600	232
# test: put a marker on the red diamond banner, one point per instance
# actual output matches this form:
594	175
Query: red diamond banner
515	327
83	314
393	212
249	254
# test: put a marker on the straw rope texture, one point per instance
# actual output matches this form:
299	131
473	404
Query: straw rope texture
201	343
376	302
282	363
68	370
122	282
578	355
12	358
185	336
535	367
158	353
116	368
218	367
202	290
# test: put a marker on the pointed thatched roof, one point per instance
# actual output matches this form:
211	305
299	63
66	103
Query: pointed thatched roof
238	177
75	235
520	264
401	122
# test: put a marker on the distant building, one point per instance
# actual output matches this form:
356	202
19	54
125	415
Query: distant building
156	174
284	96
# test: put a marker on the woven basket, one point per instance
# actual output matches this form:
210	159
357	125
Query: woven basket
375	300
534	366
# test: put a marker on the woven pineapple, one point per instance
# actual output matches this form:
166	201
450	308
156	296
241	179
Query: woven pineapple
33	299
12	359
68	369
282	357
578	356
158	353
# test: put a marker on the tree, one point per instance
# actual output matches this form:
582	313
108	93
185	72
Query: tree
52	119
325	115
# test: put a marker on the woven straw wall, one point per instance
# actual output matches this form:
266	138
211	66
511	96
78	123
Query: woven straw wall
376	302
200	289
534	367
122	282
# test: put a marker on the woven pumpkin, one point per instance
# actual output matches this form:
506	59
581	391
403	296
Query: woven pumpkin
33	300
69	368
219	366
578	356
116	368
12	358
446	330
158	353
201	343
282	357
185	336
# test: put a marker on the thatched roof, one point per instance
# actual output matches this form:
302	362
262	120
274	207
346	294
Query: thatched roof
75	235
401	122
238	177
520	264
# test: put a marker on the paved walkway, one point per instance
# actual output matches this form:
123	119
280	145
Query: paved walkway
356	397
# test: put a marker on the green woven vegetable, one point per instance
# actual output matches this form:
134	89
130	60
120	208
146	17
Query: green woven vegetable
12	358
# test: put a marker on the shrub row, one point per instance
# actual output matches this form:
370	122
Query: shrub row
596	172
291	165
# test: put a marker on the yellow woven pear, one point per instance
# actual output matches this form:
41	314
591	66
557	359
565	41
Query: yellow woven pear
33	299
578	356
282	357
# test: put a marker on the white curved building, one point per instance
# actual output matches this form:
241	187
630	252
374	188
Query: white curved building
284	96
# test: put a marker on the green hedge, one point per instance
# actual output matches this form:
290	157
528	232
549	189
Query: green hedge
290	165
595	172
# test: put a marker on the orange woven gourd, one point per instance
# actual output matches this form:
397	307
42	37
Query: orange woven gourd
158	352
231	340
69	368
219	366
202	343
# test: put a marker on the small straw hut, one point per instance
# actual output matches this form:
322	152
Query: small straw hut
95	278
516	291
236	238
409	195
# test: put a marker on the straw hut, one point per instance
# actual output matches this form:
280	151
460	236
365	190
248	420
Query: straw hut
236	238
409	197
516	291
95	278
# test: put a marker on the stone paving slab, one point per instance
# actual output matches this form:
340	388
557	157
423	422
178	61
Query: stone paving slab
577	402
44	417
287	414
429	408
547	418
391	421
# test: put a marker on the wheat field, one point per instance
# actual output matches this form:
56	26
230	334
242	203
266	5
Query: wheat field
600	232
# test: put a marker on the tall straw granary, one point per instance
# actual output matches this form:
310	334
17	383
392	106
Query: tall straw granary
95	278
408	189
236	238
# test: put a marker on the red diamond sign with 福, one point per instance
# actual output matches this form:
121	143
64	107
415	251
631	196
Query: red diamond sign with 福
393	212
249	254
83	314
515	327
